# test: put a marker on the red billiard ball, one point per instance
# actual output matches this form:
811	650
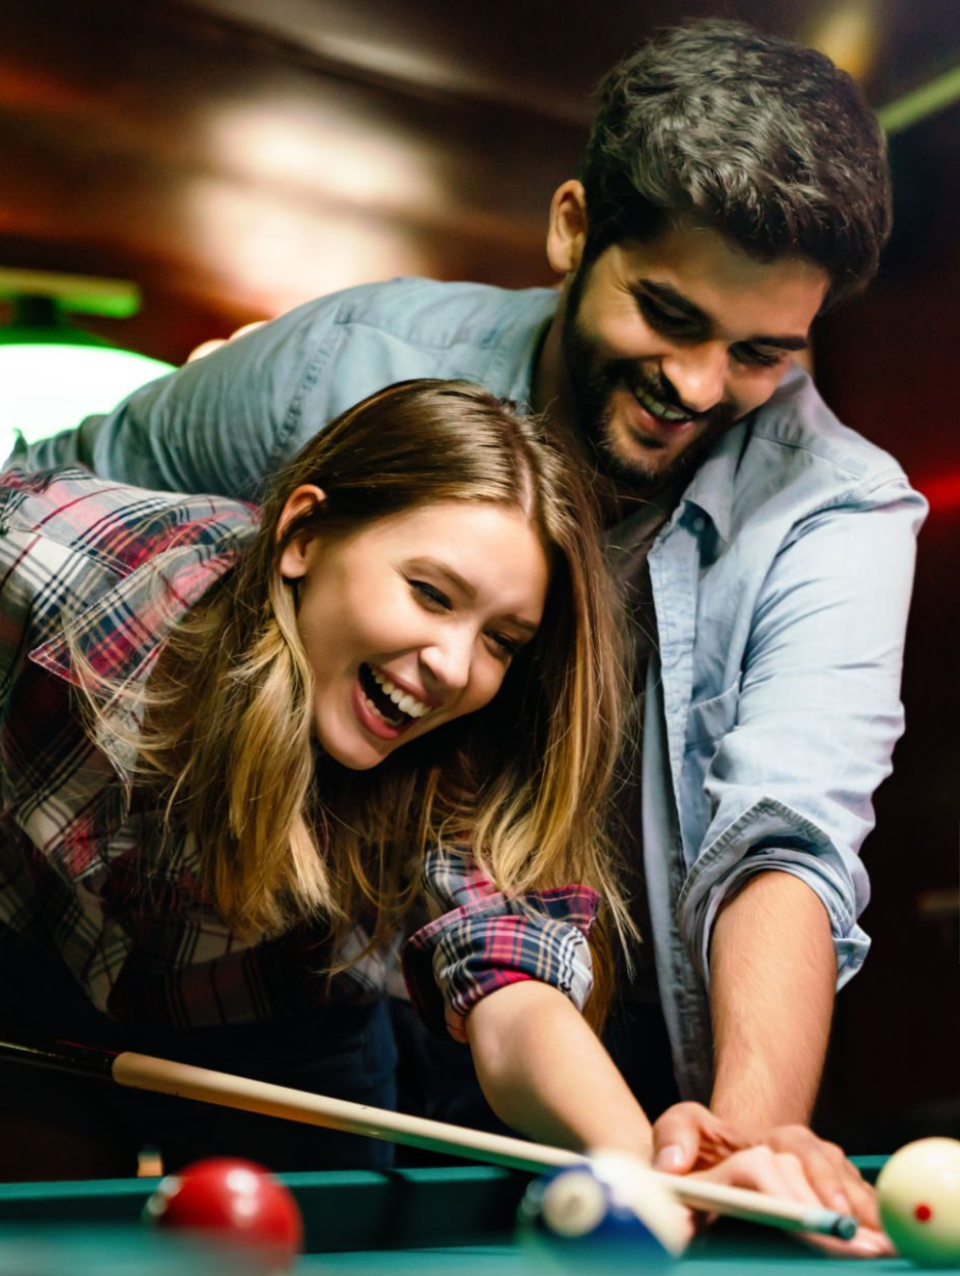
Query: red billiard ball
234	1203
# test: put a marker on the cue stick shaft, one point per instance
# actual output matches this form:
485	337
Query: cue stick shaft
145	1072
148	1073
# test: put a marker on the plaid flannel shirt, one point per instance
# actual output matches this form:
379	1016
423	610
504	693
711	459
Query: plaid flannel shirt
77	872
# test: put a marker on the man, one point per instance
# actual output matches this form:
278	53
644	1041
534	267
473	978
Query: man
734	185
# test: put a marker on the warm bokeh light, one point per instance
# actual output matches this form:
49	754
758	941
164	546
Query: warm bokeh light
279	254
849	34
326	153
51	386
207	347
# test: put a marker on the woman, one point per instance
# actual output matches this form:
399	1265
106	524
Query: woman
236	751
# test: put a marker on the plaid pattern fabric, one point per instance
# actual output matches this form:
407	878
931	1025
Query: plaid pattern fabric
483	940
79	868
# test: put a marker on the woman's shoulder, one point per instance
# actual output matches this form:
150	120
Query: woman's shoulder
104	555
114	523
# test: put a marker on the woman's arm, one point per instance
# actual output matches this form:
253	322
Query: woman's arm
545	1073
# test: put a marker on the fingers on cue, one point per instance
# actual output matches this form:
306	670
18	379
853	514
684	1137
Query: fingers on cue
837	1181
677	1137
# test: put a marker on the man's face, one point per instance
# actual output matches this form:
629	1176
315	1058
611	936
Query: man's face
668	343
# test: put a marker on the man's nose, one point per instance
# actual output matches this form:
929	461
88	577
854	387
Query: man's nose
698	374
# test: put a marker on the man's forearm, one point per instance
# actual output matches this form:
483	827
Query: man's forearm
772	980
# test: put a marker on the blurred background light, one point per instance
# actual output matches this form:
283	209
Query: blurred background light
849	34
278	254
53	374
322	151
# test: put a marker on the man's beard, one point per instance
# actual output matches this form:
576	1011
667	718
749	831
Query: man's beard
593	382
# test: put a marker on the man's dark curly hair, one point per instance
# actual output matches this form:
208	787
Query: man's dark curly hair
759	138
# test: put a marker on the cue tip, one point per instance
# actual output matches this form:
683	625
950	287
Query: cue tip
827	1222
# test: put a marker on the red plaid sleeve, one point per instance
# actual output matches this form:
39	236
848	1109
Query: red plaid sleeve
484	940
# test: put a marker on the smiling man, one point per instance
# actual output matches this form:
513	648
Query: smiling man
733	186
660	347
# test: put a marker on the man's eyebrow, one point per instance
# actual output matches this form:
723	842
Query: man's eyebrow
667	294
779	343
676	300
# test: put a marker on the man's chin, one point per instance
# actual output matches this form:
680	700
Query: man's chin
641	467
646	466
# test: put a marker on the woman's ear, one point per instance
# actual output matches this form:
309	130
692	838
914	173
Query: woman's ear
296	556
567	230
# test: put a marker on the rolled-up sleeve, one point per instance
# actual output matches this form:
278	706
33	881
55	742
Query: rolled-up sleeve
483	940
790	784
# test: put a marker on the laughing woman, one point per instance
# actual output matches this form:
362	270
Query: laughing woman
237	745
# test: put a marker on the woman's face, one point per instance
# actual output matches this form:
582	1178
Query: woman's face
412	621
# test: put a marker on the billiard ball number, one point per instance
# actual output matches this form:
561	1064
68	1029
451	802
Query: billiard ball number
918	1192
232	1203
609	1214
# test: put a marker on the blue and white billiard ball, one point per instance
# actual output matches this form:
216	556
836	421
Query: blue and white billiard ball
611	1210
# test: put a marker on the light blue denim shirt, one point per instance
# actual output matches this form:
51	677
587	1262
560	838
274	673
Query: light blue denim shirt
781	586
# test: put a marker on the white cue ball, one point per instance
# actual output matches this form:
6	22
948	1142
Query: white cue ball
919	1196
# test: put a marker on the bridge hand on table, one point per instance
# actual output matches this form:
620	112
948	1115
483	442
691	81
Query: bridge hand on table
787	1160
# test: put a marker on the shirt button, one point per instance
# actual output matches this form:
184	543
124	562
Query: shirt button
699	524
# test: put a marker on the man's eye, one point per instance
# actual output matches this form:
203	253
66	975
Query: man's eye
663	320
430	596
758	357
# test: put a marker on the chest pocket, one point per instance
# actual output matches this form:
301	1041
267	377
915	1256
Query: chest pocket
708	722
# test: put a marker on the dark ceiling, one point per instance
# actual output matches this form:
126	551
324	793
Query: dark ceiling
234	163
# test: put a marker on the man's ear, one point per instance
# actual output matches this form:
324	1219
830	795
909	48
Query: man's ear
567	230
296	556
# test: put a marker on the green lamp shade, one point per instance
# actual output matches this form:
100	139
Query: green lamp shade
48	385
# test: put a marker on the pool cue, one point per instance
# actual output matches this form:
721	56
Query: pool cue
144	1072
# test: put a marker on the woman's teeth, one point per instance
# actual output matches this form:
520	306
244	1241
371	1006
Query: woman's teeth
405	702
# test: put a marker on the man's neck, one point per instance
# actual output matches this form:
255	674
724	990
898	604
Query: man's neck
550	390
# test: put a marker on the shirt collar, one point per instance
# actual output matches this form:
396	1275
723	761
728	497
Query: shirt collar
712	487
521	342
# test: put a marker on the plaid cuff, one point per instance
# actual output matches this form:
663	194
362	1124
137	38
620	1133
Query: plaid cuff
493	940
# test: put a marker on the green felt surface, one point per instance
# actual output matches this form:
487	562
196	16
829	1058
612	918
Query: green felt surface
457	1220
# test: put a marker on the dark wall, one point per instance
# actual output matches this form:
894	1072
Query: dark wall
890	366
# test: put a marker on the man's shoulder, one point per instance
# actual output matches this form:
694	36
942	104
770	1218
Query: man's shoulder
433	313
798	429
792	460
333	352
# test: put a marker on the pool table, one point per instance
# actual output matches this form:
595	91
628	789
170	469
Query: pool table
454	1220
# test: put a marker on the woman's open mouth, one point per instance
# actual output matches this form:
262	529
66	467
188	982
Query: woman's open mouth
395	707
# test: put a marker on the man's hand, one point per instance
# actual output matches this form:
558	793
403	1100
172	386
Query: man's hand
790	1160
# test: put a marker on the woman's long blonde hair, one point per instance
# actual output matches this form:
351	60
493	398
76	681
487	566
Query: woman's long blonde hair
286	834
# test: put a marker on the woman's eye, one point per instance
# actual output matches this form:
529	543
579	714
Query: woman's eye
506	647
430	596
